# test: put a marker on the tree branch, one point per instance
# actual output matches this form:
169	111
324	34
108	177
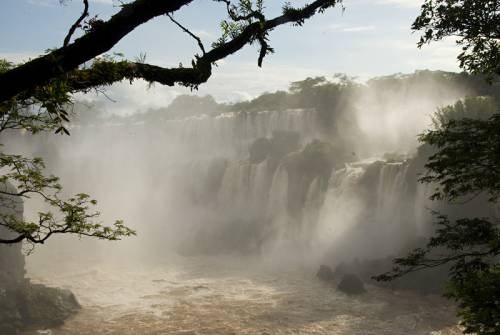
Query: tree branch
187	31
77	23
12	241
96	42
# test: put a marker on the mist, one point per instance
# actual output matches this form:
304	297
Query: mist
193	180
278	185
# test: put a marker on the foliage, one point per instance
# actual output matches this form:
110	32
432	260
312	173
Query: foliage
247	23
189	105
43	109
74	215
479	301
472	247
330	99
434	84
465	164
478	108
475	24
468	151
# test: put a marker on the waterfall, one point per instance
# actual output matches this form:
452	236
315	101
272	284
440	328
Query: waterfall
363	210
206	186
277	212
341	207
229	134
392	185
244	187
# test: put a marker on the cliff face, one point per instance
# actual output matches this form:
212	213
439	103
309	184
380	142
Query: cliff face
11	265
11	256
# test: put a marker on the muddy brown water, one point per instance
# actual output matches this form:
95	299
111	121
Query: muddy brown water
198	296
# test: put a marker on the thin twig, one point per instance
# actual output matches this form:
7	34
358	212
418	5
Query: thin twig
77	23
200	43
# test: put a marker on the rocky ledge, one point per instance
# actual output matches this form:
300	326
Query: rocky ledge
34	306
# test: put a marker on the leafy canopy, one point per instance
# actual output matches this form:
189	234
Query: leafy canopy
474	23
466	164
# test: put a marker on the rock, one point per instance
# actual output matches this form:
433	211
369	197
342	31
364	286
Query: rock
11	256
325	273
10	319
42	306
259	150
8	330
30	306
279	145
284	142
351	284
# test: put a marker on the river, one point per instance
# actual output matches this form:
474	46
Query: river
213	296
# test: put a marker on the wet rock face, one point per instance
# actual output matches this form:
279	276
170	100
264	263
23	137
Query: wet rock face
325	273
11	256
259	150
31	306
279	145
42	306
351	284
11	264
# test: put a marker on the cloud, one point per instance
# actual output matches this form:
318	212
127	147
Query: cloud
402	3
203	33
350	29
108	2
18	57
357	29
440	55
125	98
53	3
45	3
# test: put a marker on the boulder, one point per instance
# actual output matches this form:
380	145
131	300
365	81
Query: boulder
42	306
31	306
325	273
351	284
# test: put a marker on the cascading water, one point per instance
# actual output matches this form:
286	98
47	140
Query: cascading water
229	134
253	184
364	203
249	180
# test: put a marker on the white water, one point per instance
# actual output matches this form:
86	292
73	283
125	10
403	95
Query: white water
159	179
230	134
221	296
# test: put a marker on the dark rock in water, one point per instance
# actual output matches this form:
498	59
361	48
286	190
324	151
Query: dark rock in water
42	306
427	281
351	284
259	150
30	306
278	146
284	142
325	273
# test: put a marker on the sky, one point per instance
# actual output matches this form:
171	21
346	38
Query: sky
368	38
